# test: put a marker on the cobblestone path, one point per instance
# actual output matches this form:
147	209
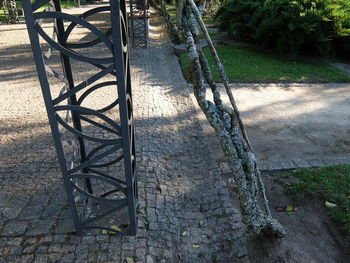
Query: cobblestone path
186	211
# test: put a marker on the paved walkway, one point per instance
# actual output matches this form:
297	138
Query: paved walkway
188	212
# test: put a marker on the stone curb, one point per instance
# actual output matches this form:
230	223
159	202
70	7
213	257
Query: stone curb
288	165
269	84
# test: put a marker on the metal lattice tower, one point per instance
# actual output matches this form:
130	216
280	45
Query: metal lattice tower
139	22
95	146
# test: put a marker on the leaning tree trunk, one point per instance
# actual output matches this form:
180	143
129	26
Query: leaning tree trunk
228	126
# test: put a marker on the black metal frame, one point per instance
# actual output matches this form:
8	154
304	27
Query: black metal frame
91	155
139	22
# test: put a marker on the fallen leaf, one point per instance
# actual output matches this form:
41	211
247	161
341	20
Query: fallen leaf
108	232
290	208
129	260
220	216
116	228
330	205
231	239
195	246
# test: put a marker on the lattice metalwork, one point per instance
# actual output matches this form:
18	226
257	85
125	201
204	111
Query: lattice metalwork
10	11
139	22
88	55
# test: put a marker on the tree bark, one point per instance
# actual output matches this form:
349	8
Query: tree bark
229	128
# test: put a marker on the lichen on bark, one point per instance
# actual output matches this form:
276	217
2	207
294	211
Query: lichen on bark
228	126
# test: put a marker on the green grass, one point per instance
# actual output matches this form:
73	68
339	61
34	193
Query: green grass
330	184
171	9
212	34
247	65
208	19
2	15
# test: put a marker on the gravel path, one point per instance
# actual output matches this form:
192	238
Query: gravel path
189	214
292	125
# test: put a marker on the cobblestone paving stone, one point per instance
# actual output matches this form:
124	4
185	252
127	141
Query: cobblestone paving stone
186	211
191	217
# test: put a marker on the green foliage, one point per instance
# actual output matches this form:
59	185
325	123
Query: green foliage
332	184
248	65
288	26
2	15
235	16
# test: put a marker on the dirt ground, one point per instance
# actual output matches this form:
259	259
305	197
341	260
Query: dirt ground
289	121
311	236
294	122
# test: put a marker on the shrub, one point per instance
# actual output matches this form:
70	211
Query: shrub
235	16
288	26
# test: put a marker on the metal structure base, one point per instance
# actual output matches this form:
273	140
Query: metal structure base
95	146
139	22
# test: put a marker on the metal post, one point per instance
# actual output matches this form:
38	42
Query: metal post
102	183
139	21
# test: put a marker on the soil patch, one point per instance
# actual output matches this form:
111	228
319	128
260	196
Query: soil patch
311	236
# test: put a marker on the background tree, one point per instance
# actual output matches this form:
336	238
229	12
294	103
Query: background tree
293	27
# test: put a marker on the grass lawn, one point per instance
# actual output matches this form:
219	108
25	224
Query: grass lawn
212	34
247	65
208	19
330	184
2	15
171	10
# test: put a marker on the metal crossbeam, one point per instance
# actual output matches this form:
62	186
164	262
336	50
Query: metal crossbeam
95	147
139	22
